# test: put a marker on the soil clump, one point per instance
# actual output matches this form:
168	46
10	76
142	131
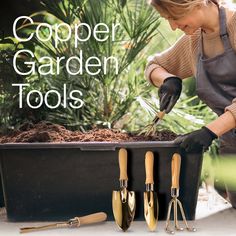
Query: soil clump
49	132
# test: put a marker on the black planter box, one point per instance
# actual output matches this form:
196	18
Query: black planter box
1	193
48	181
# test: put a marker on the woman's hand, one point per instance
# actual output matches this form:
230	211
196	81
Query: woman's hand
196	141
169	93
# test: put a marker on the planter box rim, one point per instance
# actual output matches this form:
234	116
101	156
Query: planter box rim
89	145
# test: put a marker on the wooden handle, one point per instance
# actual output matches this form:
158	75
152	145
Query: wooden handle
85	220
149	162
123	164
161	114
93	218
175	166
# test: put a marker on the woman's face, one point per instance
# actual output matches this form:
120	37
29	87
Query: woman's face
189	23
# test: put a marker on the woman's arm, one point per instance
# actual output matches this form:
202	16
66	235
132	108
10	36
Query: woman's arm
226	121
166	71
202	138
175	61
222	124
158	76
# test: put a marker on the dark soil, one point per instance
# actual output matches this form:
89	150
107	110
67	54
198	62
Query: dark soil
48	132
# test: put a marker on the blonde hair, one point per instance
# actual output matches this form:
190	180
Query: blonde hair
178	8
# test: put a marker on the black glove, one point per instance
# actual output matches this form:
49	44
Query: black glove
196	141
169	93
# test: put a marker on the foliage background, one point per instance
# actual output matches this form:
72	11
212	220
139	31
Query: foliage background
125	101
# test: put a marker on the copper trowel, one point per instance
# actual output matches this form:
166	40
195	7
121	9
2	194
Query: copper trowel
151	207
123	201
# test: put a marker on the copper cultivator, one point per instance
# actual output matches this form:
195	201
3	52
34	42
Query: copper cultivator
151	128
175	202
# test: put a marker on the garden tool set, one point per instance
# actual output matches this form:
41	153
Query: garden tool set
123	201
175	202
150	197
72	223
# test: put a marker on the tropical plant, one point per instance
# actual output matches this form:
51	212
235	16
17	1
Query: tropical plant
107	97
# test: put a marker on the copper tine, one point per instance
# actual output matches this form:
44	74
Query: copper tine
151	127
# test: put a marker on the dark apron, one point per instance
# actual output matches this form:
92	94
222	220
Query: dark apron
216	86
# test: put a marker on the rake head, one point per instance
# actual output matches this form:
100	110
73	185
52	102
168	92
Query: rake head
175	203
151	128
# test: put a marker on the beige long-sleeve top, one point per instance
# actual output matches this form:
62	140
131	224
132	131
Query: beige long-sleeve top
181	58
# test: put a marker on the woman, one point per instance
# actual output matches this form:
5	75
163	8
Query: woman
206	51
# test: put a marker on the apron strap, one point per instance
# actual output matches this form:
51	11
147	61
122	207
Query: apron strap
223	29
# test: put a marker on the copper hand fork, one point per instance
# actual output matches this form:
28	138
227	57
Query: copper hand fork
151	127
175	202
